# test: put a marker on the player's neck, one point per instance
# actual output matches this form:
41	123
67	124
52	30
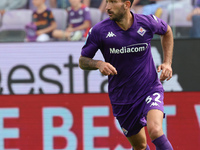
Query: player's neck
126	22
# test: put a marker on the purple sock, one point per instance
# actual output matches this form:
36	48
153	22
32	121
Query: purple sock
147	147
162	143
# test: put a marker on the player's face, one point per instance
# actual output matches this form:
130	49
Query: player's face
115	9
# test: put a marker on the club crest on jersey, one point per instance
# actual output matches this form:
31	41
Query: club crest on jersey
141	31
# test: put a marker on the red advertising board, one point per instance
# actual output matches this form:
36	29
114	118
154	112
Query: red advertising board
85	122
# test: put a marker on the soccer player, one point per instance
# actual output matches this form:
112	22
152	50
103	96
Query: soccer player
135	91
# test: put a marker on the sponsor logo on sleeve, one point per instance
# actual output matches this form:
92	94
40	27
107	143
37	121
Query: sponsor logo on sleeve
155	18
125	131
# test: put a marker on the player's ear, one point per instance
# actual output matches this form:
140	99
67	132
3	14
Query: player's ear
127	4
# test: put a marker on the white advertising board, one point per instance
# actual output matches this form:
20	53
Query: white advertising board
52	67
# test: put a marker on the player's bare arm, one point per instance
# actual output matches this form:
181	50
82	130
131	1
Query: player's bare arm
167	46
105	68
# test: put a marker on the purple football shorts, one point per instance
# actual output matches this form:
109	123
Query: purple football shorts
132	117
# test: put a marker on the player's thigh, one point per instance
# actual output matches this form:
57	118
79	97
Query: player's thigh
154	123
139	139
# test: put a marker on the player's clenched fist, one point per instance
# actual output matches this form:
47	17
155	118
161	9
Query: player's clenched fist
166	71
107	69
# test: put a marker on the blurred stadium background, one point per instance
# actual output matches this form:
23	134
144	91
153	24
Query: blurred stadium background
48	103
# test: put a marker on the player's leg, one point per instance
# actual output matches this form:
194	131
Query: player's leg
138	141
154	127
154	123
132	124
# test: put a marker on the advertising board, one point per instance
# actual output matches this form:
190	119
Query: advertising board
85	122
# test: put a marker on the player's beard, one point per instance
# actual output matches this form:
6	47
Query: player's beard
120	15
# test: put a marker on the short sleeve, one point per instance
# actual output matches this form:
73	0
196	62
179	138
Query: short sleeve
92	43
158	26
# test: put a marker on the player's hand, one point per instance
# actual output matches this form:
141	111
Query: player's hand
107	69
166	73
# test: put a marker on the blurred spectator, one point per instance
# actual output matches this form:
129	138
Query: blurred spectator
101	4
195	11
12	4
60	4
32	7
42	21
147	7
196	3
79	22
194	16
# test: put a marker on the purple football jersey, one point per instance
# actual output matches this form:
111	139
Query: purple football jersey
130	53
77	18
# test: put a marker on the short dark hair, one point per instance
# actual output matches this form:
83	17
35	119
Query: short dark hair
129	0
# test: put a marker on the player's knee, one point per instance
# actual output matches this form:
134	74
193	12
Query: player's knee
141	146
155	131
